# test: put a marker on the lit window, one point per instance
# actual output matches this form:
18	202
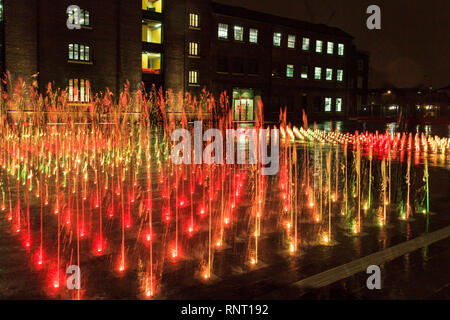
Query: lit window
327	104
151	31
152	5
305	44
291	41
84	17
193	20
223	31
340	75
151	62
277	39
304	74
319	44
338	104
329	74
79	90
193	48
238	33
317	73
193	77
253	36
290	70
79	52
340	49
330	47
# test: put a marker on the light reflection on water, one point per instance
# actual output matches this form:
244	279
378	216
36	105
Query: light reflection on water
442	130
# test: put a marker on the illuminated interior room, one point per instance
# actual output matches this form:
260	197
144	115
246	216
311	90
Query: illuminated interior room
151	62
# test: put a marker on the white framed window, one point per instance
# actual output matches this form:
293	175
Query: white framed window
329	74
305	44
222	31
340	75
319	44
193	48
304	73
277	39
238	33
193	20
327	104
338	104
330	47
291	41
79	90
317	73
340	49
290	71
193	77
253	35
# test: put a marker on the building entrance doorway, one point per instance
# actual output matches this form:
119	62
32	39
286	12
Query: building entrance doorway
243	104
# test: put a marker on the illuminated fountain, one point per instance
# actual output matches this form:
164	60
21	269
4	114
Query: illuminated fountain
102	193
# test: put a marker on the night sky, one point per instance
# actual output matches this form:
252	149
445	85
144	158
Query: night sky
411	49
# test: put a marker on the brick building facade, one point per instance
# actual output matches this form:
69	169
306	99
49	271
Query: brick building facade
188	45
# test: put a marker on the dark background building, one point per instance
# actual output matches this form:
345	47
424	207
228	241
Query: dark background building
416	104
185	46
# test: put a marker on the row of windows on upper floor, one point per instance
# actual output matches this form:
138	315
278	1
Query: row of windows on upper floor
238	35
320	104
253	69
304	73
276	72
253	37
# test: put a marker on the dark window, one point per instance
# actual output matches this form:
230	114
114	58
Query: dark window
276	70
253	66
290	103
304	102
222	64
275	102
238	65
318	104
360	65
